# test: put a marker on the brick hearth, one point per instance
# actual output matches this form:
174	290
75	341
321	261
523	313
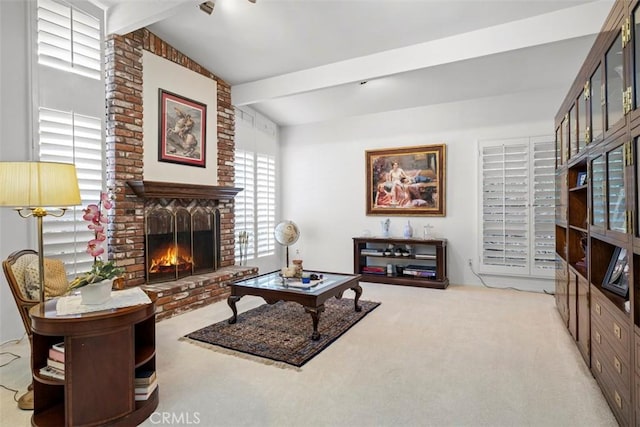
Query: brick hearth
189	293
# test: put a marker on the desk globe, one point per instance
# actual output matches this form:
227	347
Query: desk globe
286	233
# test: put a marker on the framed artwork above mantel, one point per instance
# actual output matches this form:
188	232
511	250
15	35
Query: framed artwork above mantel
182	132
406	181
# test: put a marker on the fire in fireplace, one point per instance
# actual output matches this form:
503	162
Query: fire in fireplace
181	241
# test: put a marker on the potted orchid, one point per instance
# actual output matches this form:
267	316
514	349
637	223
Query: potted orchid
101	271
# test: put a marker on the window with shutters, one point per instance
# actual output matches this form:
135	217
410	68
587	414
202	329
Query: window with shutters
67	137
517	207
255	206
69	116
68	38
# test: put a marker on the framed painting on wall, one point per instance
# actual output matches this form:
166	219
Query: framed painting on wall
182	130
406	181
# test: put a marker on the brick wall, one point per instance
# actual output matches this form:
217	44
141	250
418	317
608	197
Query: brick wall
124	148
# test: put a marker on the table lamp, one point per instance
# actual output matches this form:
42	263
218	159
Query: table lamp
39	189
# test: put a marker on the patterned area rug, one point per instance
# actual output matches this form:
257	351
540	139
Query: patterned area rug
281	333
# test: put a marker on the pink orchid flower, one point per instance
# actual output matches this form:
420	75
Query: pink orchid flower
94	249
106	200
91	213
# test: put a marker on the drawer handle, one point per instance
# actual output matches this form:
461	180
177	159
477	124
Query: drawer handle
616	363
617	331
598	309
618	399
598	366
598	337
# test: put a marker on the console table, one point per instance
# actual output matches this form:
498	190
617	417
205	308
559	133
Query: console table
428	257
102	352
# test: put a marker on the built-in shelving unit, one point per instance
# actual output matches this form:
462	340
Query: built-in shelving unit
597	195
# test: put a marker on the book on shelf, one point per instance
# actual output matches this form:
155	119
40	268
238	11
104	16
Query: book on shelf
56	355
420	271
371	252
425	256
59	347
374	270
144	378
143	393
50	372
55	364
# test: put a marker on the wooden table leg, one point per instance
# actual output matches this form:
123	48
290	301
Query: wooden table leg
315	316
358	290
232	303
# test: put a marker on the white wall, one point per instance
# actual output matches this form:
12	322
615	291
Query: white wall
164	74
323	182
15	144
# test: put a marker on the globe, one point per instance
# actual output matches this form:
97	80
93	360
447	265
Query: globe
286	233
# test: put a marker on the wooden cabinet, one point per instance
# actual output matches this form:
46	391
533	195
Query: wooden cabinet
597	133
411	262
102	352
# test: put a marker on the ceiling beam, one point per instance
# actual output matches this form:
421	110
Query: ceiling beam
126	16
578	21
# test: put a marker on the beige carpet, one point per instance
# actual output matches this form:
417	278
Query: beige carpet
465	356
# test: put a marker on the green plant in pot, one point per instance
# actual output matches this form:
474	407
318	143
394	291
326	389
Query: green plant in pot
100	270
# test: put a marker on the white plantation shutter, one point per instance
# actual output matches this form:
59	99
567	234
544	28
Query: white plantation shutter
517	207
255	206
69	90
72	138
543	207
265	203
245	201
68	38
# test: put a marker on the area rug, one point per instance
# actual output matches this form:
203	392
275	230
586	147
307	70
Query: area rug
279	334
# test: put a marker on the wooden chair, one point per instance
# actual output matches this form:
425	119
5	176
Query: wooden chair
14	269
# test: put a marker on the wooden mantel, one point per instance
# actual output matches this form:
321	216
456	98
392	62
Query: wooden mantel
173	190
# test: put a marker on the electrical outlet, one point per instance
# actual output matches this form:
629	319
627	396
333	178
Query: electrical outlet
470	262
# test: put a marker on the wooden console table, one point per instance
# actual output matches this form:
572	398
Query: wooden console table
427	254
103	351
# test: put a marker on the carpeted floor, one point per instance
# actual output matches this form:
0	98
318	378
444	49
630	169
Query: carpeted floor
281	332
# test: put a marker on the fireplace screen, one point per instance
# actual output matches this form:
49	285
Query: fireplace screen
180	242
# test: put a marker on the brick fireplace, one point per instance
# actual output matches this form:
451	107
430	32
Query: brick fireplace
125	175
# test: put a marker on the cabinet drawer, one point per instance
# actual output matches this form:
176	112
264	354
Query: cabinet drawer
617	397
615	363
613	328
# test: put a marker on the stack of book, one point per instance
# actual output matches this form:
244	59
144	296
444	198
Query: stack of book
426	271
145	384
55	362
372	269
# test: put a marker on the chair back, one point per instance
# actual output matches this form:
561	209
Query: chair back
14	270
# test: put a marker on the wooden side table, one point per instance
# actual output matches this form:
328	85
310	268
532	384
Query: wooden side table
103	351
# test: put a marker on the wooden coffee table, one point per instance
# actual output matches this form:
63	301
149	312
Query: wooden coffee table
272	288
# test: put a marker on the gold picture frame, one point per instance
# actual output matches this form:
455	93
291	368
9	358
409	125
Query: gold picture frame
406	181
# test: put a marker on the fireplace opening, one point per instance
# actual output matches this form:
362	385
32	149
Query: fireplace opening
181	242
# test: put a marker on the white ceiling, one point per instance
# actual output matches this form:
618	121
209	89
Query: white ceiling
302	61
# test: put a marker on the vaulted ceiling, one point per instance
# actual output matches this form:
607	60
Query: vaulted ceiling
303	61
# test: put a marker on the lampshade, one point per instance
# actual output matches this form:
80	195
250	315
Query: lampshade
38	185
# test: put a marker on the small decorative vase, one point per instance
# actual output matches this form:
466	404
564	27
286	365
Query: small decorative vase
96	293
385	227
408	230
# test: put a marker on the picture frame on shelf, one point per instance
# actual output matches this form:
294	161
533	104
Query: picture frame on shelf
616	279
582	179
182	124
406	181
